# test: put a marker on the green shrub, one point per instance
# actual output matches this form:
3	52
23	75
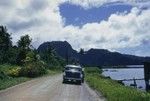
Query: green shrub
56	68
93	70
14	72
3	76
7	70
6	67
33	69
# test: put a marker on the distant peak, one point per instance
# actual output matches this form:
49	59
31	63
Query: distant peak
95	49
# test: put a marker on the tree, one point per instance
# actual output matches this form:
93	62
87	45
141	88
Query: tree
81	51
50	57
24	47
24	42
5	39
31	56
5	44
12	55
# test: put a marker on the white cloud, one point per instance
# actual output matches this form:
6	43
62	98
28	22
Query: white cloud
97	3
43	22
120	31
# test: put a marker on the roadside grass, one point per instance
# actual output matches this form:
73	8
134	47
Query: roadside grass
53	72
112	90
5	83
7	80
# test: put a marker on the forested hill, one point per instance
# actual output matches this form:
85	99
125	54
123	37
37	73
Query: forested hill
92	57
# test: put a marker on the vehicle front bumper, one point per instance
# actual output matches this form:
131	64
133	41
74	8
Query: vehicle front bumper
72	79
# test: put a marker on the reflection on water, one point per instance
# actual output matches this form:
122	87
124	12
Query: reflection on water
130	73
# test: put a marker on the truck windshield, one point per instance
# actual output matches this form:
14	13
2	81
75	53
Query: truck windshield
71	68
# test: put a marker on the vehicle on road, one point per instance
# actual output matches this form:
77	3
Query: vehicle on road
73	73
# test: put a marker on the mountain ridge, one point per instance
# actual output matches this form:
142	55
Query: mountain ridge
92	57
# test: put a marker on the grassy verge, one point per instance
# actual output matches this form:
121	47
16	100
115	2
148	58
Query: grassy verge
7	81
53	72
112	90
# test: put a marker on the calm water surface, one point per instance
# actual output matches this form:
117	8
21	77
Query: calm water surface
130	73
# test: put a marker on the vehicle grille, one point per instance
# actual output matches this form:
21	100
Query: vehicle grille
72	74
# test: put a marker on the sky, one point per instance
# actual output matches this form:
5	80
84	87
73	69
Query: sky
116	25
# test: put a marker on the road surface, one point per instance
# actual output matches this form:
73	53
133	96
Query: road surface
49	88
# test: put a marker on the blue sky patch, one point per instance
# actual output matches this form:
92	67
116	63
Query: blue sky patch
78	16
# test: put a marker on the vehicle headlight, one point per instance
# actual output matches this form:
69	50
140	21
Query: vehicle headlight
81	75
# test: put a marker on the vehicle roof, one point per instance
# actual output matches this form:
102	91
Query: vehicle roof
73	66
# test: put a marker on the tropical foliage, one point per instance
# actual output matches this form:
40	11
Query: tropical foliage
30	62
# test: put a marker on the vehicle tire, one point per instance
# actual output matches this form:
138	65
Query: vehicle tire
80	82
64	81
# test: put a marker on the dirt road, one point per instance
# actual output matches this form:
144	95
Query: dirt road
49	89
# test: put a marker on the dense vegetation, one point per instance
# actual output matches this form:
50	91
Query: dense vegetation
8	75
21	61
112	90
